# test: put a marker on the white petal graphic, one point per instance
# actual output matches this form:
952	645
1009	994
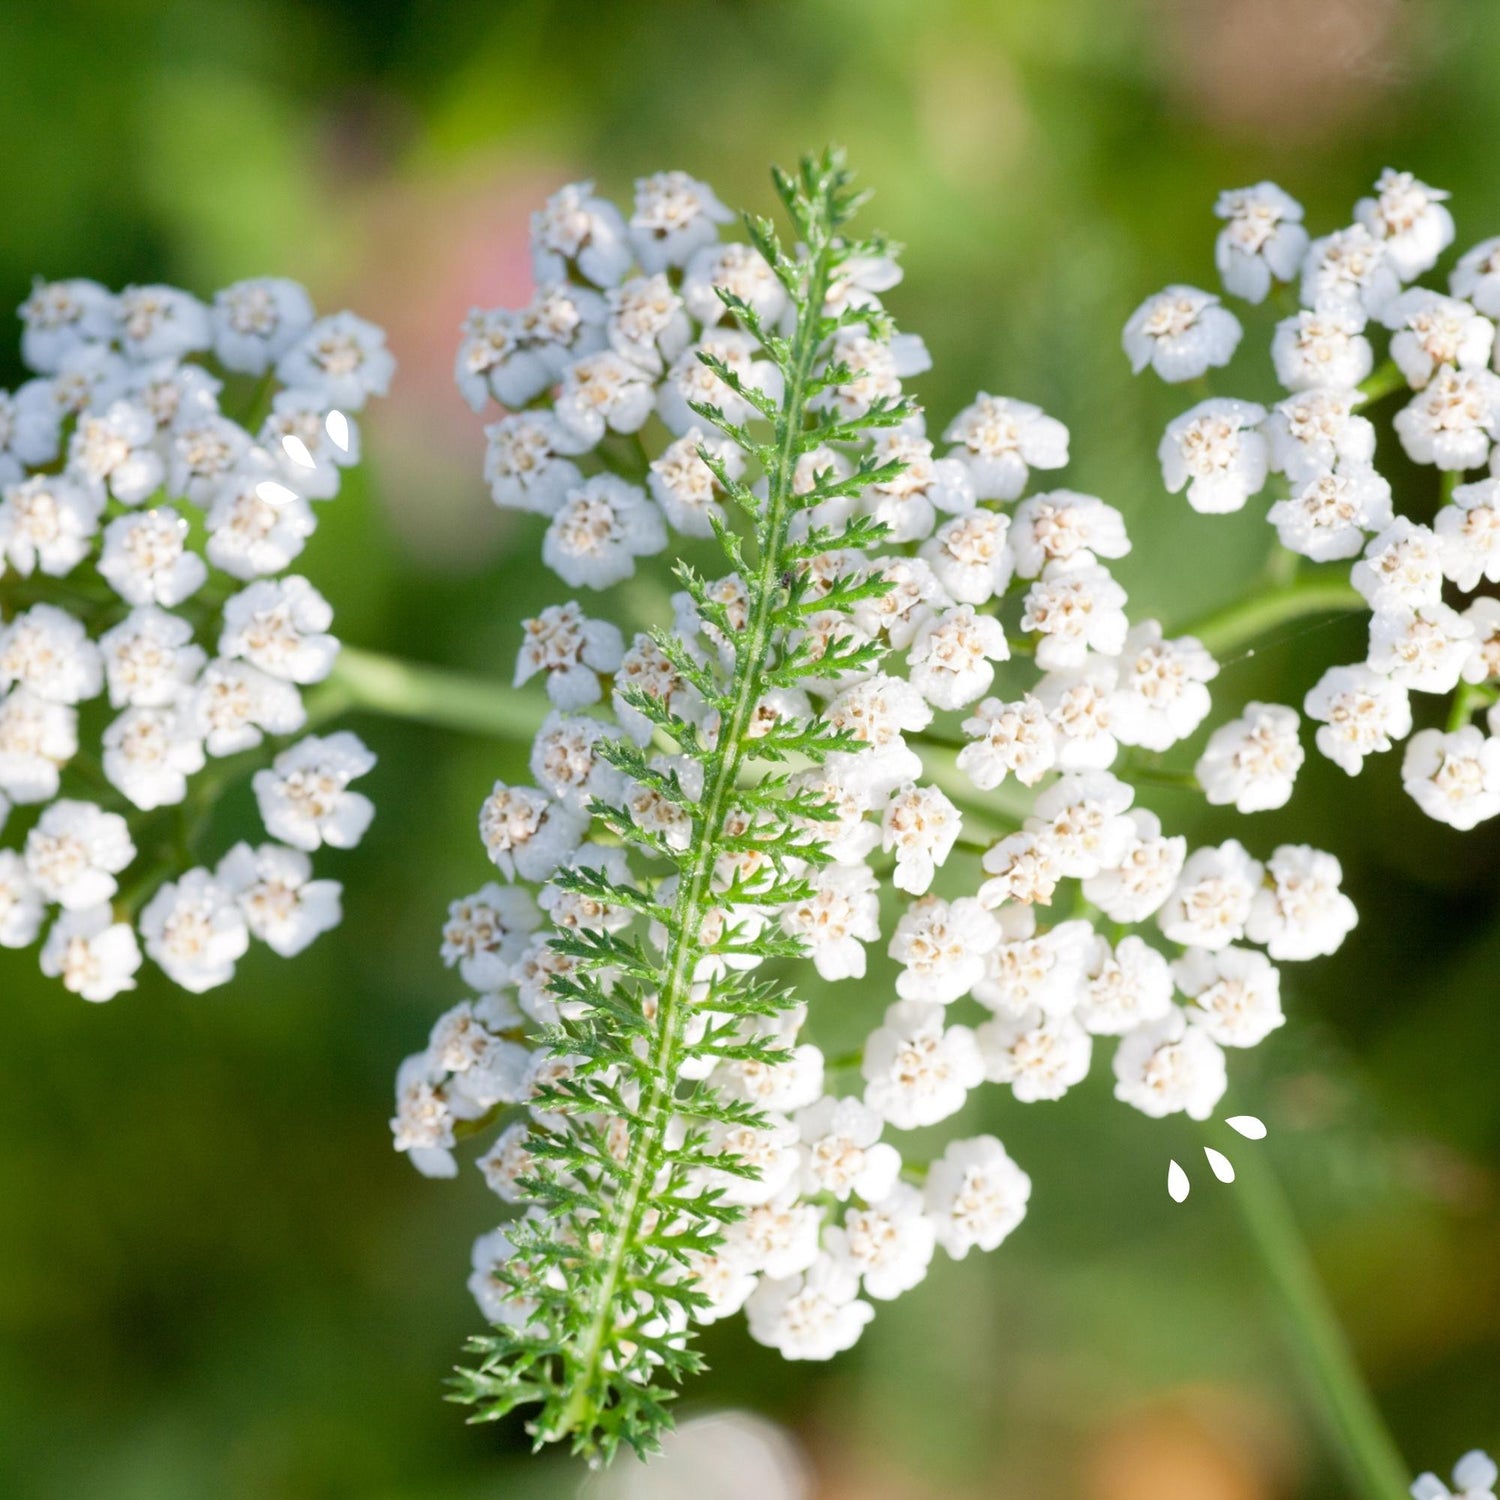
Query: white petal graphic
275	494
296	450
1248	1126
1178	1186
1223	1168
337	425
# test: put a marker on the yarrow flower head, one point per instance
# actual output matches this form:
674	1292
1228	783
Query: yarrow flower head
149	625
1433	633
1181	333
890	710
1262	239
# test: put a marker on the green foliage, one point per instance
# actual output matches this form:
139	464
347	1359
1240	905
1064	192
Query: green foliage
1048	163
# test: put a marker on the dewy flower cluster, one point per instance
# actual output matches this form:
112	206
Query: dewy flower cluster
1433	631
912	681
149	630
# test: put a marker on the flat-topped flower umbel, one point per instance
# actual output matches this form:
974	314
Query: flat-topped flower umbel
886	708
150	632
1433	632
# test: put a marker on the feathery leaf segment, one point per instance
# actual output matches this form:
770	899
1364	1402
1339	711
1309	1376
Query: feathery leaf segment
602	1274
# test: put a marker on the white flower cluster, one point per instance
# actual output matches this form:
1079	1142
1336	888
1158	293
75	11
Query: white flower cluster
1475	1477
1432	632
1033	940
149	628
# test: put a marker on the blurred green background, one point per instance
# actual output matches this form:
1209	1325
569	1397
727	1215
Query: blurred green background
215	1277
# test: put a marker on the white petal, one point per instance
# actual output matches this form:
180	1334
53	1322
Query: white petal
273	493
1248	1126
1223	1168
1178	1185
296	450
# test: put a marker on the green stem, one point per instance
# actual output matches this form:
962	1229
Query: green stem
1382	382
1283	567
938	741
380	684
1351	1421
1236	625
130	900
1179	781
585	1357
260	401
1466	698
429	695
